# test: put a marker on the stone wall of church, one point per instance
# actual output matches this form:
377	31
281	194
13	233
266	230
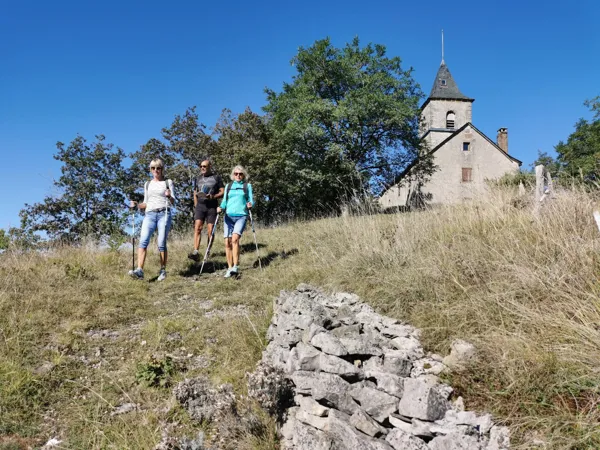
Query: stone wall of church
483	159
446	185
434	114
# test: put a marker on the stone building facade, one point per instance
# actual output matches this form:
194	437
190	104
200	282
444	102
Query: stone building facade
465	158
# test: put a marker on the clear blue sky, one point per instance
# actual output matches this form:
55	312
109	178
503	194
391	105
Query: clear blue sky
124	69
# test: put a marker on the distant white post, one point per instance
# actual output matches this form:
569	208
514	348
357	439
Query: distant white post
539	182
539	188
597	219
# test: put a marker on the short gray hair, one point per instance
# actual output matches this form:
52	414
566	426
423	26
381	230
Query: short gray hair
239	168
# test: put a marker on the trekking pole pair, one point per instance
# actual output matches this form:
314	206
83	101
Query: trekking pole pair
255	241
209	245
212	236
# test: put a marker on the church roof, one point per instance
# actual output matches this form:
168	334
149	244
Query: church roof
444	86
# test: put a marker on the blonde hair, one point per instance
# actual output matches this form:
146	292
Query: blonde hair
158	162
239	169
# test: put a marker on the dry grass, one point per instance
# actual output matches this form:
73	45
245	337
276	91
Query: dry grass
524	289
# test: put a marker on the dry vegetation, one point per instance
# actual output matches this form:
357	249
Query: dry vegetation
76	334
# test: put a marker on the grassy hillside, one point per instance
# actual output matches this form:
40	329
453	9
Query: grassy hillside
78	338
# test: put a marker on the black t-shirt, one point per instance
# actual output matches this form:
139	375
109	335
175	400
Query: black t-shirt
208	185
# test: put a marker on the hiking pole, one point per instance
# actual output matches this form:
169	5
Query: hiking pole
166	210
255	242
132	237
209	245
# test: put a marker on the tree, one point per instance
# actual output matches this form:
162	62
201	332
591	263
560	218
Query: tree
4	240
547	161
246	139
22	239
91	202
348	121
594	105
581	153
185	144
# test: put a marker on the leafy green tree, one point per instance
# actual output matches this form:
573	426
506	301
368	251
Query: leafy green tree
594	105
23	239
246	139
548	161
91	200
183	146
348	121
4	240
581	153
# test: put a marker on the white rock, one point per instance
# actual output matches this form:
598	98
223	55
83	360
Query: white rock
311	331
401	440
399	423
455	441
376	403
363	422
387	382
314	421
52	443
461	354
499	438
422	401
328	343
458	404
311	406
409	347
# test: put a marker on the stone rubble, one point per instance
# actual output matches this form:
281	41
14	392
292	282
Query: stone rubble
363	381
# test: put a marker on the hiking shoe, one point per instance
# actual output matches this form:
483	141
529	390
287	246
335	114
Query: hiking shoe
234	271
138	274
162	275
228	273
194	256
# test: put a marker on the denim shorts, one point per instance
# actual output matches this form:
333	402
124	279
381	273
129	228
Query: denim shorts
234	224
154	220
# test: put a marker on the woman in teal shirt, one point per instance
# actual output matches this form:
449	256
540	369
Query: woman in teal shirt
236	203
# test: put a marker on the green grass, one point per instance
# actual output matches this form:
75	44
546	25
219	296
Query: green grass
523	289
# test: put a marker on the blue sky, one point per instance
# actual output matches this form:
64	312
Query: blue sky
125	69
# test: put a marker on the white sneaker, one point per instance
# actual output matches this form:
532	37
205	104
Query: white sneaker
162	275
227	274
138	274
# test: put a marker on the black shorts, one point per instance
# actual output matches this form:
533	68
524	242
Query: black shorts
205	214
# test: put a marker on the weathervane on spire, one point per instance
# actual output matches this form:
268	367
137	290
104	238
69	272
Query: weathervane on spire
443	46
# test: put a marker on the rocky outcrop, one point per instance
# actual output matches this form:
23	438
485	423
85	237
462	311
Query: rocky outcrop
362	380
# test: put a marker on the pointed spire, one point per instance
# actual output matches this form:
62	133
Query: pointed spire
443	46
444	86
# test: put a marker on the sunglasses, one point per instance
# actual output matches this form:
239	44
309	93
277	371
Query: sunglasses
156	168
204	167
238	174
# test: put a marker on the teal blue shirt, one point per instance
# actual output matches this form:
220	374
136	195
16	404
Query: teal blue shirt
235	202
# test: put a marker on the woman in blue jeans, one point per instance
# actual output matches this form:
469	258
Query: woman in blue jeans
159	196
237	201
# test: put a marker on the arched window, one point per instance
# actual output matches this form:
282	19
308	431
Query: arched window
450	119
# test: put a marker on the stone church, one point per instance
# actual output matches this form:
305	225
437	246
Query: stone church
464	157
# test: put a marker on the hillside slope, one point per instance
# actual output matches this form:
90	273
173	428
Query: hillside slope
80	339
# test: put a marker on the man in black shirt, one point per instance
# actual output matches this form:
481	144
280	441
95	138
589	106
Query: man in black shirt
208	189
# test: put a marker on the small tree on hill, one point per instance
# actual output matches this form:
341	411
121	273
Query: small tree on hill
91	200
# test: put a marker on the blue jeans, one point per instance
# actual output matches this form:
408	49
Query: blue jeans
234	224
151	222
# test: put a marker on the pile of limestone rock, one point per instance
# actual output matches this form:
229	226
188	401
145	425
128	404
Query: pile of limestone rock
362	380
